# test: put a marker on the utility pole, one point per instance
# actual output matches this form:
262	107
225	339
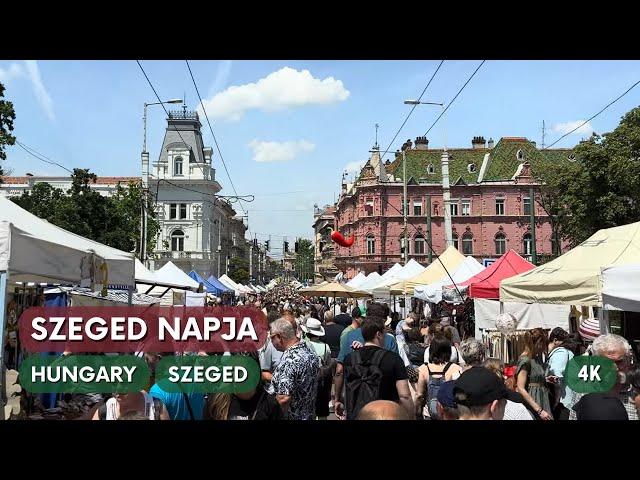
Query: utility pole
446	198
534	257
404	205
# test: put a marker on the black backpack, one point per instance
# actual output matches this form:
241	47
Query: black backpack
363	381
416	353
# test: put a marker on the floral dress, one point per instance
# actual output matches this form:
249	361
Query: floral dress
536	382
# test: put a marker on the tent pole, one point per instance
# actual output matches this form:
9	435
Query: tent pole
501	308
130	295
3	298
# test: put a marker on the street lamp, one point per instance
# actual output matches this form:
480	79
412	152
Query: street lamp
446	192
145	182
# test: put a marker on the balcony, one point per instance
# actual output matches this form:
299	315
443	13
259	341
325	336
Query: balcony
186	255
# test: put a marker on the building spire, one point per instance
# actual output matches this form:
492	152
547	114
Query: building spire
376	147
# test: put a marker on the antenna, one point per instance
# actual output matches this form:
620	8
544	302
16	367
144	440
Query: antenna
376	147
543	134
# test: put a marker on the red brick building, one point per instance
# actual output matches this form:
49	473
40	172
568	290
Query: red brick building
490	204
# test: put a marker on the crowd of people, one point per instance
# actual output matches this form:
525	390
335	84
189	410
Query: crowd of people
338	360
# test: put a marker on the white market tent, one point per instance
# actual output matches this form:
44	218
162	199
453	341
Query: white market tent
410	270
575	277
170	273
392	271
34	250
225	280
372	279
357	280
433	291
146	279
620	288
169	283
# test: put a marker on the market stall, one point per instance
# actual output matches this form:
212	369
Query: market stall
433	292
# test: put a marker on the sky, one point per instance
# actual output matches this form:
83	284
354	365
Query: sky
287	130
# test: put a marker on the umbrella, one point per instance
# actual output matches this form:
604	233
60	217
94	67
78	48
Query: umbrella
334	289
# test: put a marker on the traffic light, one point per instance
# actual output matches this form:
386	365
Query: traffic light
286	247
266	244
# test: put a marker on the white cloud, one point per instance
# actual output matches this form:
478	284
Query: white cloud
222	76
15	70
39	89
354	167
278	90
566	127
279	151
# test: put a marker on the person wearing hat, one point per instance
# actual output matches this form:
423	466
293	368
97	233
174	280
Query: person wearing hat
480	395
446	402
600	406
313	333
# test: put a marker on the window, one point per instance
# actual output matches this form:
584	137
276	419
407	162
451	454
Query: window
501	244
526	206
369	207
456	242
172	211
471	168
466	208
520	155
418	246
467	244
499	206
177	166
183	210
527	244
177	241
430	169
371	245
417	207
454	208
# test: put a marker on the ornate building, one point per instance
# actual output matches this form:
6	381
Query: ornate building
490	204
323	257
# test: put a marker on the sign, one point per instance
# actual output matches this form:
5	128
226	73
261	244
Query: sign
487	261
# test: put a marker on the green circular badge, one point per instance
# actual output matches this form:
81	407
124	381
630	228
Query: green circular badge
589	374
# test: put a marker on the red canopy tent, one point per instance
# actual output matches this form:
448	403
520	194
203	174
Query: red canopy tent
486	284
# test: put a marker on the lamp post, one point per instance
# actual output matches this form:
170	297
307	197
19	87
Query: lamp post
446	193
145	182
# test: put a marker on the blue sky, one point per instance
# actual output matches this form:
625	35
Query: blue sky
288	129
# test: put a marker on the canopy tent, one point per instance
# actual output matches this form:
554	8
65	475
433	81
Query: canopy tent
357	280
451	258
575	277
170	284
527	315
334	289
486	284
218	284
411	269
34	250
392	271
372	279
209	287
170	273
232	285
245	288
620	288
144	276
433	292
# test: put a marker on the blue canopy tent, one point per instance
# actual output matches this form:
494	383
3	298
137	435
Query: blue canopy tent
218	284
209	287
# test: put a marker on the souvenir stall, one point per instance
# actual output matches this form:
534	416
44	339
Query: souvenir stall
35	253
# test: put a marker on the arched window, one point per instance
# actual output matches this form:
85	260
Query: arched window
501	244
456	242
418	245
371	245
430	169
467	244
177	166
527	244
177	241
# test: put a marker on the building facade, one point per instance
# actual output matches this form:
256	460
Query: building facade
16	186
323	225
490	204
198	230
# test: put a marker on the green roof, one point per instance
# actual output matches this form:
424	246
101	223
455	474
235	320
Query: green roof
503	161
418	162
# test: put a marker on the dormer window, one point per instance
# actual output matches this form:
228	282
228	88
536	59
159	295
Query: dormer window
430	169
471	168
520	155
571	157
177	166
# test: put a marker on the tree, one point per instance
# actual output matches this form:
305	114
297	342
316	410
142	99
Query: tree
239	270
304	259
114	221
600	189
7	117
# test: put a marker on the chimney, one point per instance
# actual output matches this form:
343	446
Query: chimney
407	145
422	143
490	143
478	142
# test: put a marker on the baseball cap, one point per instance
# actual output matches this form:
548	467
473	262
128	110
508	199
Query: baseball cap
600	406
480	386
445	394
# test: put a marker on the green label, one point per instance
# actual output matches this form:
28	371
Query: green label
208	374
589	374
83	374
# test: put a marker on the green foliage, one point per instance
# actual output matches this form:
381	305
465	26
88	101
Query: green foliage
114	221
7	117
600	190
304	259
239	270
